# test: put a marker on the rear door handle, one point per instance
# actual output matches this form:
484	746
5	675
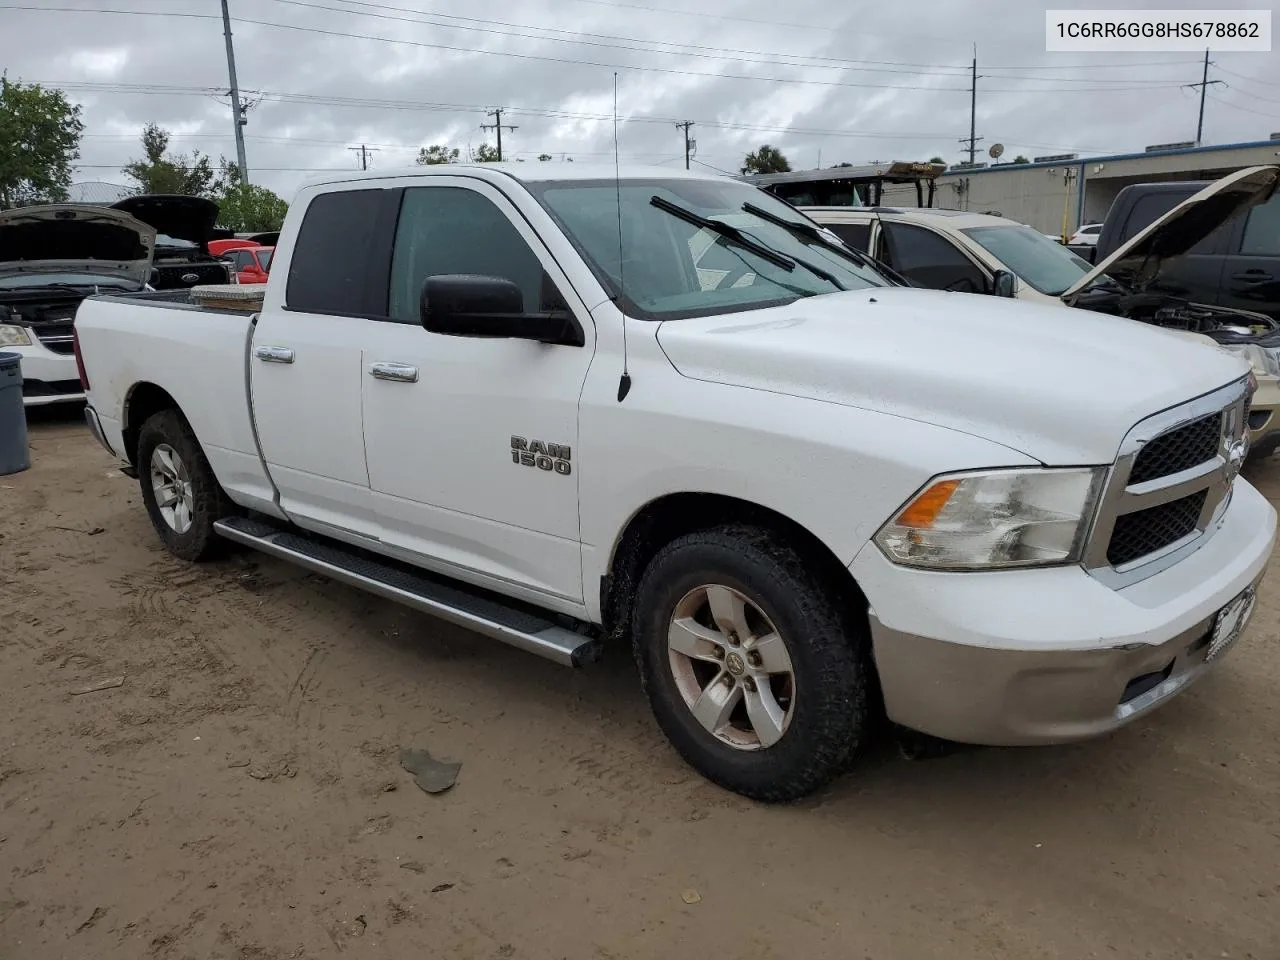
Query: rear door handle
273	354
1255	275
399	372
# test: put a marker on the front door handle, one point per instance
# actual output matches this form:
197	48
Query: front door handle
1255	275
273	354
399	372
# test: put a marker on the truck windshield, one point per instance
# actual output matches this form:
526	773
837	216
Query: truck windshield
1045	264
664	266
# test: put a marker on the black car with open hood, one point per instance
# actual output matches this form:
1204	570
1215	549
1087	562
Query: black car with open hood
184	226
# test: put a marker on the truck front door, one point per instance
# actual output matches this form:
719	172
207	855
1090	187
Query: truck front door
472	442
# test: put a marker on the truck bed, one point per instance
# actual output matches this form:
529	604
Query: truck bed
196	353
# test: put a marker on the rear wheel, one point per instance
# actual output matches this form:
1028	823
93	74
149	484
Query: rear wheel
753	672
181	493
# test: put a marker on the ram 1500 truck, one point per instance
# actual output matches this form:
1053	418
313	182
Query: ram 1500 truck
568	408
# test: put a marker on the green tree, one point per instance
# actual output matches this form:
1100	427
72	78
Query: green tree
937	160
434	154
161	172
39	138
485	153
1019	159
544	156
247	208
766	159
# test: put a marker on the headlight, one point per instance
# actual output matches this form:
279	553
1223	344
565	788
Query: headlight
998	518
11	336
1264	360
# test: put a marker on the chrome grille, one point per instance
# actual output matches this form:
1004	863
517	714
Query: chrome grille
1179	449
57	336
1169	486
1146	531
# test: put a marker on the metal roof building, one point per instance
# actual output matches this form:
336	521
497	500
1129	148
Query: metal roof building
1037	193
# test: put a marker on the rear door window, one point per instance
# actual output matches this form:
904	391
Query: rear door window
329	271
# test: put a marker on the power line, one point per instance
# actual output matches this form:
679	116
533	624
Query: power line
587	63
717	53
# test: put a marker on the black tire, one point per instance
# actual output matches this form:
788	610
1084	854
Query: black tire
828	648
209	502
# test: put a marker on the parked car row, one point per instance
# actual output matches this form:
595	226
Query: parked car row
53	256
1144	278
667	410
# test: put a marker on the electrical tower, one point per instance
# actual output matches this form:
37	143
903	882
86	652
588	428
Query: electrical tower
364	154
1204	84
690	146
237	111
973	138
497	125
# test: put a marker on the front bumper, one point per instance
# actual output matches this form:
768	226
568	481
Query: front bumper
47	377
1053	655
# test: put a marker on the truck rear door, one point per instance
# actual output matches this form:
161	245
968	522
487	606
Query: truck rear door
472	442
305	361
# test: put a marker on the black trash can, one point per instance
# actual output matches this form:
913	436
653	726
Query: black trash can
14	455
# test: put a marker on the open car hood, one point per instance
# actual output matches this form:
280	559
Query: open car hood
1137	262
184	218
75	238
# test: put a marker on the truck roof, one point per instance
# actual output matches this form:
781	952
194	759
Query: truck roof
527	172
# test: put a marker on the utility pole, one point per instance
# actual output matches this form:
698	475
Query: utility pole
973	109
498	125
1204	85
237	112
364	154
690	146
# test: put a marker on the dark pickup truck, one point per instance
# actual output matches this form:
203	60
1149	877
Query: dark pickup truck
1236	265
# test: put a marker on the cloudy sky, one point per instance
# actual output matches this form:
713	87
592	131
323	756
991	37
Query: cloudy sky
825	80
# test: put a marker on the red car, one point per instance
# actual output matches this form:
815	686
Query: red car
251	263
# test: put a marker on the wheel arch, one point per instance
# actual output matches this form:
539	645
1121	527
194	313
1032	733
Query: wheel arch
665	518
143	401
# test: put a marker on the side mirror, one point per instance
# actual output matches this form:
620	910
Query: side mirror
1002	284
466	305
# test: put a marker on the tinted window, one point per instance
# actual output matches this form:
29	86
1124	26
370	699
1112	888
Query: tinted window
1262	230
1150	207
264	258
1091	230
856	235
931	260
328	271
445	230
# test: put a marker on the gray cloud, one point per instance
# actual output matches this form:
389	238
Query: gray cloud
877	80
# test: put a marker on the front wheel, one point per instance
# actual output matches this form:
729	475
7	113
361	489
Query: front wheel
757	677
181	493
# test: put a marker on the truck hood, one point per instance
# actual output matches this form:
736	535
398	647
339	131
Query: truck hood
1062	386
75	238
184	218
1137	262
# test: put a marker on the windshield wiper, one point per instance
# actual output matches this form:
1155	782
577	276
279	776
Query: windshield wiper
815	233
724	230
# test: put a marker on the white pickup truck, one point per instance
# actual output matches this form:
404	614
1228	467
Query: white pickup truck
566	409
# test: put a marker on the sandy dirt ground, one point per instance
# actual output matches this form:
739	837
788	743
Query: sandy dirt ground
239	795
